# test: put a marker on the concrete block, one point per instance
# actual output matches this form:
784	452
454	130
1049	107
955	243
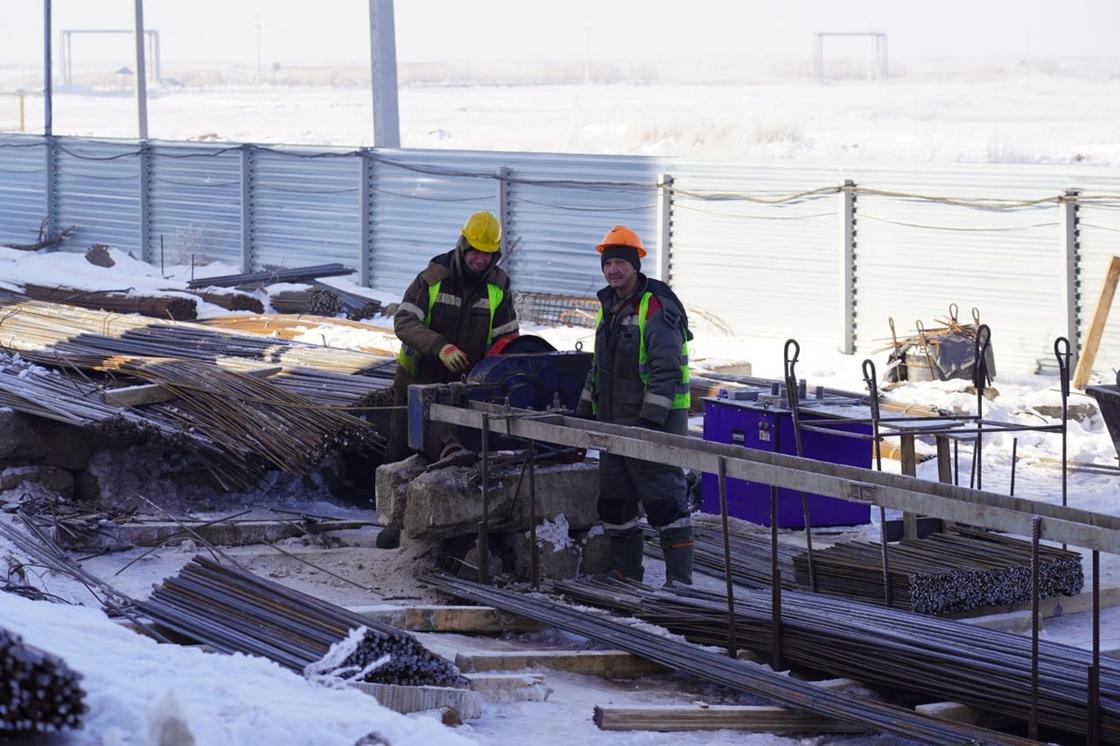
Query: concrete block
390	485
51	477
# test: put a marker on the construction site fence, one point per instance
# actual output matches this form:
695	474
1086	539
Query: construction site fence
825	253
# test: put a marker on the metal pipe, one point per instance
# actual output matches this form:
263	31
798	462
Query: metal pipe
794	408
534	556
732	643
775	569
483	525
1095	668
1036	536
1014	462
141	74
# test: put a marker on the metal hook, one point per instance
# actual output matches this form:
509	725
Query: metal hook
1063	352
980	376
579	345
976	316
953	312
791	361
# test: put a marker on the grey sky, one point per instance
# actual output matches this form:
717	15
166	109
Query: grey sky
335	31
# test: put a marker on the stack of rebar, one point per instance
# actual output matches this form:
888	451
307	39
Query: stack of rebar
174	307
38	691
235	611
324	302
357	307
944	573
720	669
988	669
268	277
750	556
230	300
338	390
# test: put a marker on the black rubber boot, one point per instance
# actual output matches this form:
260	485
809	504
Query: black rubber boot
388	538
626	556
677	548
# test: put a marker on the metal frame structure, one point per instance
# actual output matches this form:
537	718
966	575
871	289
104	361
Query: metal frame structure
65	39
877	65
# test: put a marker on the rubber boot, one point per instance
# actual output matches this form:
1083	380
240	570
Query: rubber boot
388	538
677	548
626	556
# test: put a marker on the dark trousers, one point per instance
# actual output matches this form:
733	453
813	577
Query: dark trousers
626	482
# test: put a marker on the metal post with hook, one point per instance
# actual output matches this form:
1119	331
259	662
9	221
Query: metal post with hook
732	643
794	406
483	525
980	380
775	572
870	378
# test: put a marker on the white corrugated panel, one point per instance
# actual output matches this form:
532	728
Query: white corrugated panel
195	203
916	257
305	207
23	202
1100	241
557	217
99	193
767	270
420	200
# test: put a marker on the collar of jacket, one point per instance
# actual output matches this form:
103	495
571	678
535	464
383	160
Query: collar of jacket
608	297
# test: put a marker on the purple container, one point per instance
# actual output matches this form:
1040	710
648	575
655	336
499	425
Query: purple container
751	424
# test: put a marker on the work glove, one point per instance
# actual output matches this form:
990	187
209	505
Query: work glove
453	358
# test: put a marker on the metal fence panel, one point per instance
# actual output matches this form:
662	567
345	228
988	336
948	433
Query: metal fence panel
557	217
916	257
194	205
1100	241
420	200
766	270
98	192
306	207
23	204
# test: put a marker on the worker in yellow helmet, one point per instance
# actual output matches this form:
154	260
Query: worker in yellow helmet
640	377
449	316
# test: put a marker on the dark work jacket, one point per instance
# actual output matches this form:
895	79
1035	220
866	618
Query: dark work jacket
460	316
614	383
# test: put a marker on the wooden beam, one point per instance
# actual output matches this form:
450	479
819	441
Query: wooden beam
1014	515
1088	355
405	699
457	619
154	393
608	664
753	718
510	687
1017	618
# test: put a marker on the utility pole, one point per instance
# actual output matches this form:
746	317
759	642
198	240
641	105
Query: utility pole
258	27
141	75
383	74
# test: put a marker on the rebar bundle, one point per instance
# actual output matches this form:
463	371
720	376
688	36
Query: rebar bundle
751	556
38	691
944	573
230	300
336	389
235	611
176	308
296	275
988	669
718	668
357	307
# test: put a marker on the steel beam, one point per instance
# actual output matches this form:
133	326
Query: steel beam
987	509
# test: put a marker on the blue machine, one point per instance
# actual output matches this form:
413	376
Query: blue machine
766	426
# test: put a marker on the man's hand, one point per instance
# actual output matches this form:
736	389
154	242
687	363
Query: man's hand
453	358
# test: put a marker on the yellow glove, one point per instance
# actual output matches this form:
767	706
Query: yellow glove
453	358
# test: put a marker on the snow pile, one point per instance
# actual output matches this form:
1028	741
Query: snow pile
140	692
555	532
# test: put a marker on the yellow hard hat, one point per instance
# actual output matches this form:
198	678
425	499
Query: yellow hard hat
483	232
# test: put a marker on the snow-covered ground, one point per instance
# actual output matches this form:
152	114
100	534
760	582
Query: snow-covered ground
1001	114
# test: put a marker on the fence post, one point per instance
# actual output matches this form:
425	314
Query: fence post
848	265
246	207
502	174
50	185
145	200
664	226
1072	235
366	268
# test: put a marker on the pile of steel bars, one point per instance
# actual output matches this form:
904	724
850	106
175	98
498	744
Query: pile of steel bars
231	300
948	572
357	307
296	274
988	669
319	301
174	307
717	668
39	692
750	564
338	390
235	611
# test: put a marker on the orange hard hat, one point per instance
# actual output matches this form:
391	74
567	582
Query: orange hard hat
620	235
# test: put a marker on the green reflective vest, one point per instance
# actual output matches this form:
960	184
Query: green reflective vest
683	397
409	359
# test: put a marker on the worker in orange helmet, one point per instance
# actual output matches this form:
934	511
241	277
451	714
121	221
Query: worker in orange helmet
640	377
449	316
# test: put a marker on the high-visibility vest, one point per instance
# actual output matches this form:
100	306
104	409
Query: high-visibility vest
409	359
682	399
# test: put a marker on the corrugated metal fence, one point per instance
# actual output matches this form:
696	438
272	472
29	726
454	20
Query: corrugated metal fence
779	249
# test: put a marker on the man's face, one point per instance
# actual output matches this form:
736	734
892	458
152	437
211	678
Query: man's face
618	272
476	260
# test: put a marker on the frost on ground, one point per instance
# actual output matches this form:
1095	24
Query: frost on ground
140	692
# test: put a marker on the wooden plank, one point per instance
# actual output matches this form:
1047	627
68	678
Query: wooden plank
1017	618
1088	355
154	393
457	619
510	687
909	468
958	713
406	699
753	718
608	664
